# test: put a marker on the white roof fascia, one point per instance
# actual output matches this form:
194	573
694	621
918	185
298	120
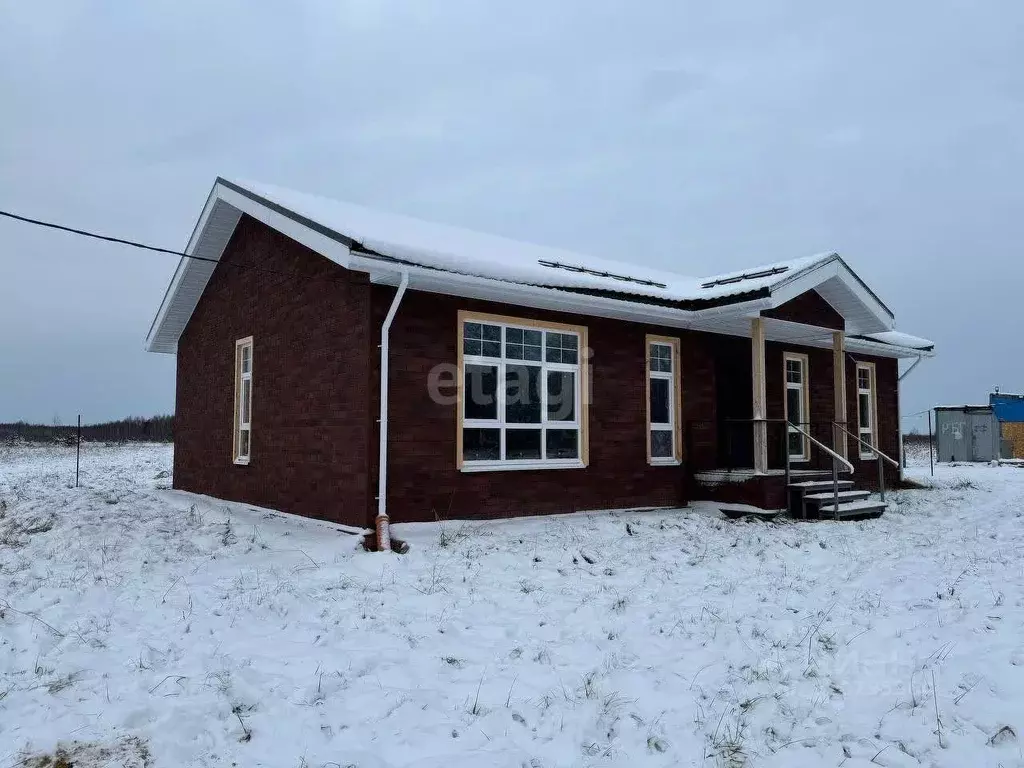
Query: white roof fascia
179	271
885	350
541	297
749	309
792	285
315	241
901	339
833	267
489	289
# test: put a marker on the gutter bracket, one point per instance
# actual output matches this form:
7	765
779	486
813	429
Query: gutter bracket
913	365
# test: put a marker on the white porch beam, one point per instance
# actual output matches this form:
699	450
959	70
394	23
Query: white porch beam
760	396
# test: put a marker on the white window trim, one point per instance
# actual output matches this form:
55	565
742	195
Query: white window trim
581	395
872	429
674	406
805	401
239	425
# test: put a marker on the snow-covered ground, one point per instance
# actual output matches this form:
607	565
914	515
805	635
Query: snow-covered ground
154	627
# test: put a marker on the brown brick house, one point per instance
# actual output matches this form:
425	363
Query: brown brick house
519	379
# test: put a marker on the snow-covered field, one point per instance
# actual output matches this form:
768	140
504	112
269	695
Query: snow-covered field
142	626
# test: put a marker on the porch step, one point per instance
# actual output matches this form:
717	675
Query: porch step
816	486
738	511
852	510
824	498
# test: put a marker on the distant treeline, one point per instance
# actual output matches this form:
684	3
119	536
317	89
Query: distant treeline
132	429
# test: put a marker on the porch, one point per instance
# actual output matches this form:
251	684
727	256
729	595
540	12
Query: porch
783	433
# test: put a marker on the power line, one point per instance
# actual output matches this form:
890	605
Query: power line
96	236
914	415
157	249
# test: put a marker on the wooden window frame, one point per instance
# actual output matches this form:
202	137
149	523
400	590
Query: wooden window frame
582	394
240	426
872	393
675	405
805	400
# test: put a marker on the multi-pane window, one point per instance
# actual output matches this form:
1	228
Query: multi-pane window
521	395
243	400
866	416
796	406
663	443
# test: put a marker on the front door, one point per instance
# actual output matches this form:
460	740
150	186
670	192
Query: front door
733	374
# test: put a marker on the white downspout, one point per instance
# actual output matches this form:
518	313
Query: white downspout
899	417
383	532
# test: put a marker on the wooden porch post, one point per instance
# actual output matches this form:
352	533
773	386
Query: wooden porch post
839	386
760	396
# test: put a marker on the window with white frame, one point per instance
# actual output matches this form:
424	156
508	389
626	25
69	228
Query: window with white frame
663	412
521	394
797	406
243	400
866	409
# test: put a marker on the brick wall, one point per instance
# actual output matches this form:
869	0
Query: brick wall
809	309
887	384
310	407
423	482
315	404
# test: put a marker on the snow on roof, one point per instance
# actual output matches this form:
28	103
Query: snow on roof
448	259
467	252
899	339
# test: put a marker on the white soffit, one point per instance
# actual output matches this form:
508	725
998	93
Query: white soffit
212	234
840	286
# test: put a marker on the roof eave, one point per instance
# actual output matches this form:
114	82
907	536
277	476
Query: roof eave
176	278
816	275
212	232
855	343
211	244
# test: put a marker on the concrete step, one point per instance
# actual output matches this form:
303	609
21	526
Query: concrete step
852	510
827	496
819	486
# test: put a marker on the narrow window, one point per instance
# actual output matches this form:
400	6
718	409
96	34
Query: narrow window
243	400
796	406
664	445
521	394
867	416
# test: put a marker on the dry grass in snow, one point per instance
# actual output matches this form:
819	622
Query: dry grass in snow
142	626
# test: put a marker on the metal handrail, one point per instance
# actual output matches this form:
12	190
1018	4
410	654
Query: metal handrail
835	456
868	445
836	460
802	431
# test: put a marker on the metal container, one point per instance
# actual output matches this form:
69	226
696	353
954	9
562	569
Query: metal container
966	433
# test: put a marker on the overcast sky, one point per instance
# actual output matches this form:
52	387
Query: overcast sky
694	135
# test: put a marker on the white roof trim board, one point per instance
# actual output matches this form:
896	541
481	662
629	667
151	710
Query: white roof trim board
899	339
448	260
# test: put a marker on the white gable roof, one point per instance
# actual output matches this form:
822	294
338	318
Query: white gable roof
451	260
474	253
